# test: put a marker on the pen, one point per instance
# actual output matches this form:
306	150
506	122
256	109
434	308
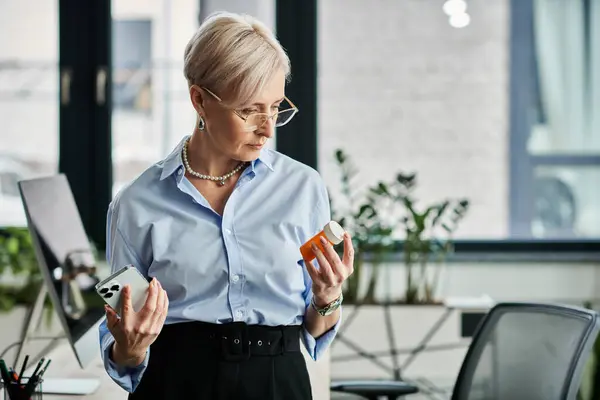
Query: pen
23	368
4	372
43	371
37	368
33	379
13	375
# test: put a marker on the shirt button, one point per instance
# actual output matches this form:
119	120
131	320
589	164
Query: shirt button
180	171
235	278
239	314
228	231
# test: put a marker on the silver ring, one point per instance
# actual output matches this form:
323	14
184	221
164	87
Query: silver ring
236	341
260	342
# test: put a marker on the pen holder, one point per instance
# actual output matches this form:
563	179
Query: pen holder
14	391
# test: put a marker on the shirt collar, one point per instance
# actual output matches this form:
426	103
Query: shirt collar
174	160
265	157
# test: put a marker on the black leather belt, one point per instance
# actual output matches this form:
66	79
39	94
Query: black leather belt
237	341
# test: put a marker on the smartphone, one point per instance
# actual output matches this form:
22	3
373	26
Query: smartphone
110	288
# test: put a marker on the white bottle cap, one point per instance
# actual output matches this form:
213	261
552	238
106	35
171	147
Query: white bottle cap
334	232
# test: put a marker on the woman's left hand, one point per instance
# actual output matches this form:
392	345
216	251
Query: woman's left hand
332	272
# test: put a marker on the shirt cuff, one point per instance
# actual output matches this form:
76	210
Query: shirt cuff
316	347
126	377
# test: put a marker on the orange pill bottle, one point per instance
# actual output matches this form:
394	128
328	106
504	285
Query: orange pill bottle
332	232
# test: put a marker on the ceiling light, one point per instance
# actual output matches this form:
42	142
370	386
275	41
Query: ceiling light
460	20
454	7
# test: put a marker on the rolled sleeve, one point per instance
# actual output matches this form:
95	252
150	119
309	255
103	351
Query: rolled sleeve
126	377
316	347
119	253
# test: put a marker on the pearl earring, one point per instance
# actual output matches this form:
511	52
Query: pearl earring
201	123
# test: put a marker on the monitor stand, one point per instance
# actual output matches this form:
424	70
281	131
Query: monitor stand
75	386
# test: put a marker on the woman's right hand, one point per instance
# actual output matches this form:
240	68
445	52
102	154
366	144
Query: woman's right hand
134	332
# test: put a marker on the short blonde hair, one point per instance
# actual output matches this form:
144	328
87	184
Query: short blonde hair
234	54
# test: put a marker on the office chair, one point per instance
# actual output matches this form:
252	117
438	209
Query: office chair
525	351
345	396
396	389
372	389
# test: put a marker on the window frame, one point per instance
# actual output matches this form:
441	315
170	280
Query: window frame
85	146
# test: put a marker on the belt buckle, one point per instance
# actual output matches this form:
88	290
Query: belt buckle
235	342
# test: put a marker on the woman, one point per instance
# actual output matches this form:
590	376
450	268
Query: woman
217	225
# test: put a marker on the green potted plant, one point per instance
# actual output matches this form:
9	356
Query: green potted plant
17	257
428	236
372	235
385	214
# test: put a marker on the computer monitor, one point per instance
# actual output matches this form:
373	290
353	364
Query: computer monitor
67	263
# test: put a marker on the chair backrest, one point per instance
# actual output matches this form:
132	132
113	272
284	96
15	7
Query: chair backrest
527	351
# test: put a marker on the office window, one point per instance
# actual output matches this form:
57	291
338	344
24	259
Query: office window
28	98
563	141
412	88
151	107
151	110
132	59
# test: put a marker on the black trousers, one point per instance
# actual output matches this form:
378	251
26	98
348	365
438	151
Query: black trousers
197	360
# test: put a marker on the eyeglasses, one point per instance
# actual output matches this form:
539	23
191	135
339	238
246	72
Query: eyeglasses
256	120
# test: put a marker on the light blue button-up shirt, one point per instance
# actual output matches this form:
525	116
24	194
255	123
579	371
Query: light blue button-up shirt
243	266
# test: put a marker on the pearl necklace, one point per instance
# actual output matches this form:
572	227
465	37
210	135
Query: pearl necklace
220	179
